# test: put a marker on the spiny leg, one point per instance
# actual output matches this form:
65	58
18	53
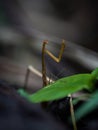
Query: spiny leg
31	69
56	59
43	64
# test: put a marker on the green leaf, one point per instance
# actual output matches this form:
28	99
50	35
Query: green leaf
63	87
94	73
23	93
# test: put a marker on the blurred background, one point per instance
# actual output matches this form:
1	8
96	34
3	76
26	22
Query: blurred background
24	24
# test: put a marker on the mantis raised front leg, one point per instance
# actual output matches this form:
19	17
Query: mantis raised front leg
44	50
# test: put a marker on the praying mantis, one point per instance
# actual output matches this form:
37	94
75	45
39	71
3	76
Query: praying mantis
62	87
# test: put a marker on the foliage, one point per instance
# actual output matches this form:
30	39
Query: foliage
63	87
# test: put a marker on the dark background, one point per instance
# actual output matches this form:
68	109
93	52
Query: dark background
24	24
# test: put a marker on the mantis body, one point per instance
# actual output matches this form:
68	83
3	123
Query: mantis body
62	87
